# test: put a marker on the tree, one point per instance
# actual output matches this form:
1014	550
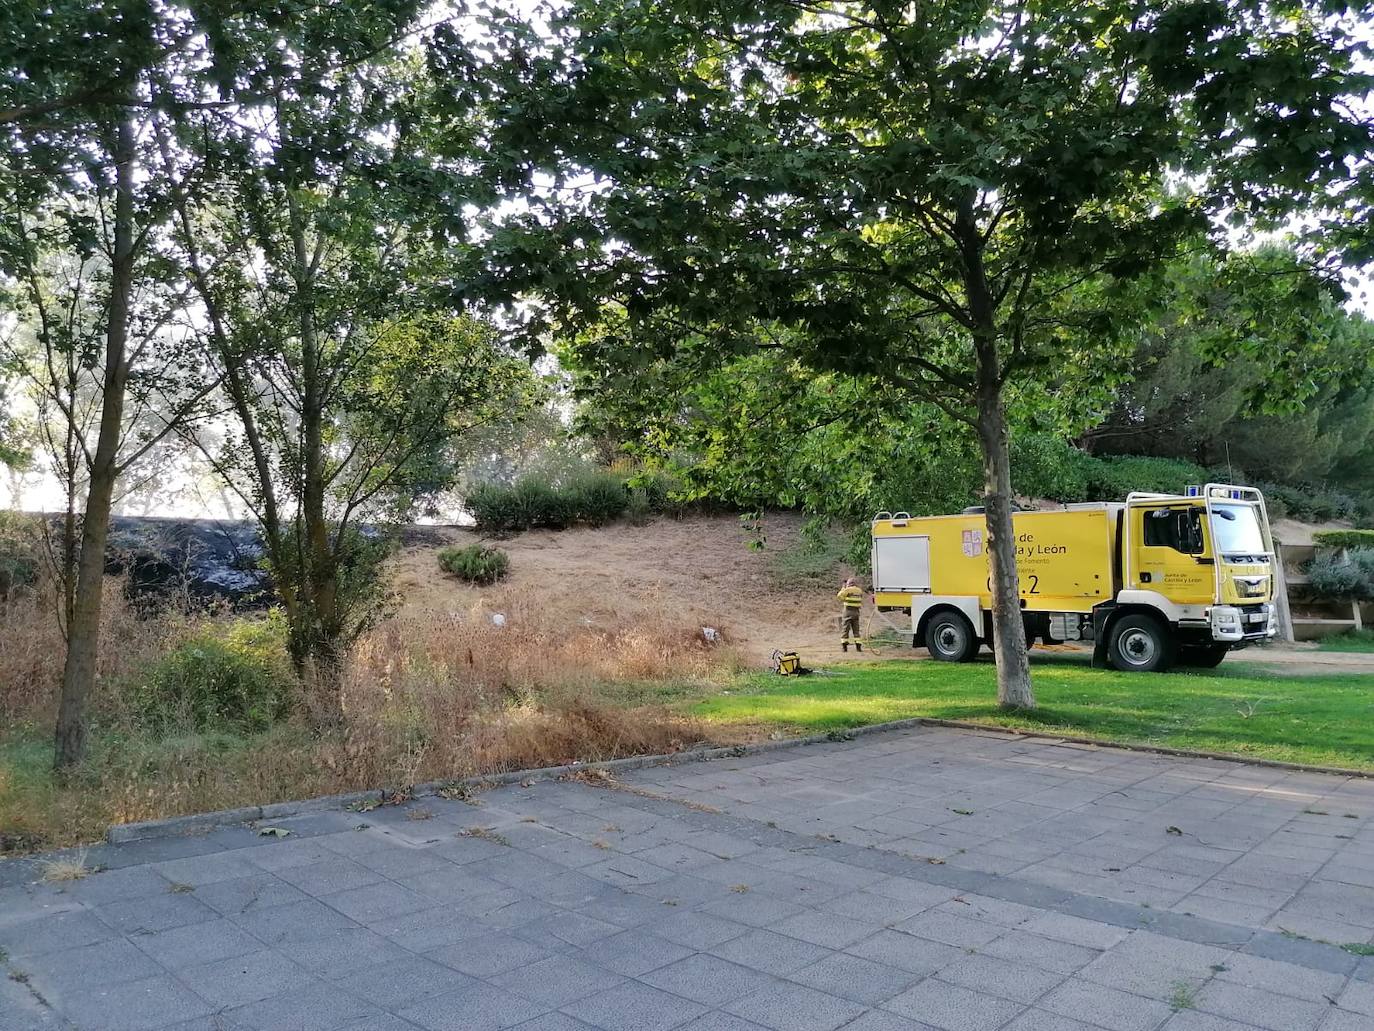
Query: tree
944	197
312	227
1185	399
74	161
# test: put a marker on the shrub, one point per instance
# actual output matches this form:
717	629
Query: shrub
1112	478
1344	538
230	678
476	563
1351	577
1045	465
595	498
492	507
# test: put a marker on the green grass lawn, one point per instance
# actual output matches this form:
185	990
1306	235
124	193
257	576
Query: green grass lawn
1243	710
1351	641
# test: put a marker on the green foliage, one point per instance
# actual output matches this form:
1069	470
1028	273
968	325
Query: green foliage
1344	539
580	496
1045	465
1349	577
596	498
1111	479
1249	362
224	678
476	563
20	551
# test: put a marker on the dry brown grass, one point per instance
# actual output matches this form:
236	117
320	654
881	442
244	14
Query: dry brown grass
64	870
426	698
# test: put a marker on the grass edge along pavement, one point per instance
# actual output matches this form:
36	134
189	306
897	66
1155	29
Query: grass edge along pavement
1241	711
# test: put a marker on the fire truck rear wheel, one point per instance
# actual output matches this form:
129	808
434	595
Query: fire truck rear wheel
1140	644
949	637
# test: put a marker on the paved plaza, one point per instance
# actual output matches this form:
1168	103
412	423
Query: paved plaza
921	879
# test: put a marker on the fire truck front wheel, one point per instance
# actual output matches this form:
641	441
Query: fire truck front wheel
949	637
1140	644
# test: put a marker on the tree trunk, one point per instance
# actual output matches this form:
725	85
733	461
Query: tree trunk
994	436
319	584
83	630
1008	629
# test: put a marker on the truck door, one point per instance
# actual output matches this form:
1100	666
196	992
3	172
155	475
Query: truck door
1172	553
901	564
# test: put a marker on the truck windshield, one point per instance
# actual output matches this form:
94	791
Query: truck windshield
1236	530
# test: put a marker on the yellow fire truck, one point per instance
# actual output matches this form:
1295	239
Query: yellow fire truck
1157	580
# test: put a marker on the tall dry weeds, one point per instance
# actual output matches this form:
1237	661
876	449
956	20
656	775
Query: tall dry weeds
426	697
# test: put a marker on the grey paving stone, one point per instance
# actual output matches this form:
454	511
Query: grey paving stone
1018	982
155	913
293	922
90	966
54	931
696	930
558	980
240	894
708	980
490	954
227	983
1046	953
769	952
1358	997
327	876
1105	1007
1192	1020
317	1007
1344	1020
551	1022
853	977
826	929
345	950
1074	930
193	944
1042	1020
881	1020
635	952
449	882
1259	1007
431	928
153	1002
405	981
635	1007
953	1007
563	928
206	869
384	901
113	885
906	952
477	1007
1312	954
625	909
787	1007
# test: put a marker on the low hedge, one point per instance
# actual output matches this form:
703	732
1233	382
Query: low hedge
1344	538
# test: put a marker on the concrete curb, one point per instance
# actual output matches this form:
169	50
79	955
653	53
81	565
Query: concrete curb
182	825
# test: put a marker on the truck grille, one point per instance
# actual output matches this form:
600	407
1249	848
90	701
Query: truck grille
1251	586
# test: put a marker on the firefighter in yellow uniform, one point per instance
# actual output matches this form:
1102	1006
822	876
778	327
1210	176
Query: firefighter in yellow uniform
851	596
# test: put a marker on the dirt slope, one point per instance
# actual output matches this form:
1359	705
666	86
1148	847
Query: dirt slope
700	567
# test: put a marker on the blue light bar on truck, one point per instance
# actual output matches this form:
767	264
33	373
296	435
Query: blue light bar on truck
1192	491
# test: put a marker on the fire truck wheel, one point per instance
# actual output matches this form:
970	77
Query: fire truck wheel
949	637
1202	656
1140	644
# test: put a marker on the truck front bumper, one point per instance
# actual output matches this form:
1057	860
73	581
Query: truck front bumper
1236	623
